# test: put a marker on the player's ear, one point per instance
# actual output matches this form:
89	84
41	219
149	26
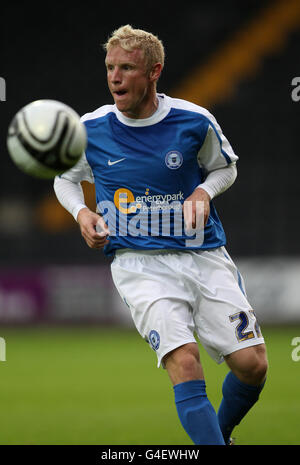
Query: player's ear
155	71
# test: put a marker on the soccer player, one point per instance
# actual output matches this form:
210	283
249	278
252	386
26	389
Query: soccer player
157	163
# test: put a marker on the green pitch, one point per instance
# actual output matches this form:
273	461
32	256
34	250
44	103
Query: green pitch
101	386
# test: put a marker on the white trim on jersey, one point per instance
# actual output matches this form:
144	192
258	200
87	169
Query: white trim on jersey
101	111
216	152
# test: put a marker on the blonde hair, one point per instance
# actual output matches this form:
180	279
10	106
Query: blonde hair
130	39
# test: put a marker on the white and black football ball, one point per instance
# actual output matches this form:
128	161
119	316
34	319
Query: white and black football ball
46	138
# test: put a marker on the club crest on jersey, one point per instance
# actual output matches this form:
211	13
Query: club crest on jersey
154	339
174	160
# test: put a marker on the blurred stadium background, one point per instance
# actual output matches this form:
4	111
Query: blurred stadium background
76	372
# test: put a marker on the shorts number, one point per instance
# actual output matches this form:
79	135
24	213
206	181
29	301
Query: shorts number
240	330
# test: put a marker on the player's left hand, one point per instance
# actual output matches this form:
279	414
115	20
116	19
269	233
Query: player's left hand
196	209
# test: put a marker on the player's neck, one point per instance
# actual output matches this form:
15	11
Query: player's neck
146	109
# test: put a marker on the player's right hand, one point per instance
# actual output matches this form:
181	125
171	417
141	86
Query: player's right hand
93	228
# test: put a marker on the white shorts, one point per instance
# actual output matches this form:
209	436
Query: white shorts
174	294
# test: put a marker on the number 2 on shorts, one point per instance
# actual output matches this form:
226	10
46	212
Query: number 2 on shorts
240	330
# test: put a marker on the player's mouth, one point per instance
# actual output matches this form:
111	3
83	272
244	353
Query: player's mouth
120	93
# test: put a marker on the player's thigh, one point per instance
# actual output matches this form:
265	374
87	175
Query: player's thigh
159	307
166	324
224	319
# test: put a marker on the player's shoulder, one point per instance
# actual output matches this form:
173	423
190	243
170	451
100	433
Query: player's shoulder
100	112
188	106
192	109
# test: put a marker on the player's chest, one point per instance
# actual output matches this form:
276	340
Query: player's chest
160	153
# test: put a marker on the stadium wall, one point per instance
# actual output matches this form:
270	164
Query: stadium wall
86	294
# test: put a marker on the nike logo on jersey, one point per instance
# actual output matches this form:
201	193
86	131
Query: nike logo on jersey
110	163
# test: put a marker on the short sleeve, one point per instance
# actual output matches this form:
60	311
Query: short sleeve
80	172
216	152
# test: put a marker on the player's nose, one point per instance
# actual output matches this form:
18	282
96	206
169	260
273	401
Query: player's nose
115	76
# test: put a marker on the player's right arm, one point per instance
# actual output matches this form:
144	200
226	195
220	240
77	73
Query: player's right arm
93	228
69	193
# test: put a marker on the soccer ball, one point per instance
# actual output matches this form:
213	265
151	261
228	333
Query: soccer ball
46	138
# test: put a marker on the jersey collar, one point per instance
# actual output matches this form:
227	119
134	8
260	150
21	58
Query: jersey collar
161	112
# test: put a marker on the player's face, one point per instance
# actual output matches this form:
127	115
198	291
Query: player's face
129	82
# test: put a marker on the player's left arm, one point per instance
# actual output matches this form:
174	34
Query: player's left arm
198	203
218	160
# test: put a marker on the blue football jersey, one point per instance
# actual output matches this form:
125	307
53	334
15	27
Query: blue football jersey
144	169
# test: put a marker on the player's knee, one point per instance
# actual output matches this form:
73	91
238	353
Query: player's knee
183	364
188	365
250	365
257	371
261	364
